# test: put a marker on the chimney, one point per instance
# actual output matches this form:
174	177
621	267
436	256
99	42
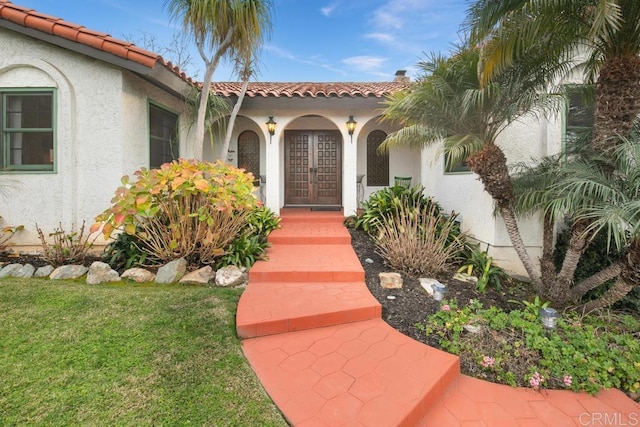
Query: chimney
401	77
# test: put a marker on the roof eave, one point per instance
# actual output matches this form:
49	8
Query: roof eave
158	75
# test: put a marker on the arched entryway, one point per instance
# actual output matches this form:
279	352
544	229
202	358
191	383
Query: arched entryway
313	166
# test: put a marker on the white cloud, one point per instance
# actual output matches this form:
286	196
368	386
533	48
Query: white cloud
381	37
316	60
365	63
328	10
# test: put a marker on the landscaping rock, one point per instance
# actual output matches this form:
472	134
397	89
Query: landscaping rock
427	284
26	271
68	272
231	276
201	276
9	270
101	272
139	275
172	272
43	271
390	280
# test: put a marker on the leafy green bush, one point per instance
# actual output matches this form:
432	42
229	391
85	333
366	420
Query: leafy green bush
184	209
124	252
384	204
584	354
478	263
415	240
251	243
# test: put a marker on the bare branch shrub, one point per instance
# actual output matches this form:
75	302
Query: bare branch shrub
67	248
415	240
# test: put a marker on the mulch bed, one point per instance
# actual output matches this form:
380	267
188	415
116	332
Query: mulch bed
412	304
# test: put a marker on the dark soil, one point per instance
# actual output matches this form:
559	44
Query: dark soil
412	304
36	260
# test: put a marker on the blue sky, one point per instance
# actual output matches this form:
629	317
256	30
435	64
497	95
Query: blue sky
312	40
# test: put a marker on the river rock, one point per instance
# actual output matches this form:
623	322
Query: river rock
139	275
68	272
201	276
231	276
172	272
101	272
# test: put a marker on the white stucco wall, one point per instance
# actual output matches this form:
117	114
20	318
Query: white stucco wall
101	132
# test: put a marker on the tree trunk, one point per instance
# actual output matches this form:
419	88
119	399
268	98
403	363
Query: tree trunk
232	119
511	224
617	100
198	143
490	164
596	280
560	290
629	277
547	267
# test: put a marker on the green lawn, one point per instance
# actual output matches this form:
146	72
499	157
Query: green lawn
73	354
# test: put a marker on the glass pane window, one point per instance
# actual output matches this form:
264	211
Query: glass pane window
579	117
377	163
249	153
27	131
164	145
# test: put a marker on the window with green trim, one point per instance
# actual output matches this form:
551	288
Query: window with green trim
579	117
28	133
164	145
461	167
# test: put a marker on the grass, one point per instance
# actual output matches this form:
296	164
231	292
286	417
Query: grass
72	354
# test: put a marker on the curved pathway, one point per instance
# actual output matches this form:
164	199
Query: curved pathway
314	336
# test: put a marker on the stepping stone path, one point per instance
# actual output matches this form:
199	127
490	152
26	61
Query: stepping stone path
315	338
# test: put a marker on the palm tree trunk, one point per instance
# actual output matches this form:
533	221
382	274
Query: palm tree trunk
596	280
629	277
547	267
232	120
511	224
560	292
617	100
490	164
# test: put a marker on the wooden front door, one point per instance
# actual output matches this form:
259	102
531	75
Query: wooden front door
313	174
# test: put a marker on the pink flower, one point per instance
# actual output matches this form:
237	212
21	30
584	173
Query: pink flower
567	380
488	362
536	380
445	307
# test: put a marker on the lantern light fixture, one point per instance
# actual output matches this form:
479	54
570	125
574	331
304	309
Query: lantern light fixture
271	127
351	126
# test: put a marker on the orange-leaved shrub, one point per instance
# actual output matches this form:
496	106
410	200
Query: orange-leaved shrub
186	208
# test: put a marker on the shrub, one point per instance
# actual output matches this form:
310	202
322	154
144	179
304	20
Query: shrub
416	241
384	204
6	233
478	263
184	209
124	252
251	243
584	354
67	248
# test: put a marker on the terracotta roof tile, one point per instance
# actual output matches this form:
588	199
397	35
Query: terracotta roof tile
314	90
52	25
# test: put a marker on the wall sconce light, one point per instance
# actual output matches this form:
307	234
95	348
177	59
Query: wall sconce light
549	318
351	126
271	127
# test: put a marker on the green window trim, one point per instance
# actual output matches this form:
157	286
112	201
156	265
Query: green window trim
164	137
460	169
37	153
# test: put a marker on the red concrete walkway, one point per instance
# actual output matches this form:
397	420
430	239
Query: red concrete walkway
314	336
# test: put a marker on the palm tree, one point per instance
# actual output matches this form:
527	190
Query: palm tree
233	29
603	35
448	105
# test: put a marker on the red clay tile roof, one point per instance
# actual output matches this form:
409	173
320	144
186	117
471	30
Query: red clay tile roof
314	90
52	25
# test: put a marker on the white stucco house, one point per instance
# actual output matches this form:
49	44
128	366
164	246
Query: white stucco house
81	109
